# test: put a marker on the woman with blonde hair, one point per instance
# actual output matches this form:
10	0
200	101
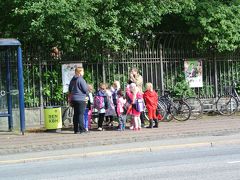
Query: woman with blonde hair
78	89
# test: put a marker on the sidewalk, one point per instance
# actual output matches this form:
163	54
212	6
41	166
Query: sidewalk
12	143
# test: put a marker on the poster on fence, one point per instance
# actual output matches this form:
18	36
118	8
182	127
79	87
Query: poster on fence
68	71
193	72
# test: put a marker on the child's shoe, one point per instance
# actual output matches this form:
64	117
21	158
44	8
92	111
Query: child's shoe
100	129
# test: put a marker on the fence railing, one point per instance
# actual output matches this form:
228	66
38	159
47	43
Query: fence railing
160	61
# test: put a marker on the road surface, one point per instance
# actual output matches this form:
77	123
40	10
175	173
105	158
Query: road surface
220	162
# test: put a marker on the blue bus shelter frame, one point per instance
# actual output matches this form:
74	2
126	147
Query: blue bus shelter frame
14	43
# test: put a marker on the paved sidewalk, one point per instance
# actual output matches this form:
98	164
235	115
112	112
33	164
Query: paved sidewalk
12	143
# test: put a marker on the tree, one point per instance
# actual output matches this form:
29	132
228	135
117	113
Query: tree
113	24
217	23
117	24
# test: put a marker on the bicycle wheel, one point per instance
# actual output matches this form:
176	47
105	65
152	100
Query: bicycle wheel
161	111
196	107
180	110
164	106
67	117
227	105
145	115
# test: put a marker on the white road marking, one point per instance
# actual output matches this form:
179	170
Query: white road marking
233	162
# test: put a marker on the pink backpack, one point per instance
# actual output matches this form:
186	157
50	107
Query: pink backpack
98	102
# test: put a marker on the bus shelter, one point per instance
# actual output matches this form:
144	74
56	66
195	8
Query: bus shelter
11	83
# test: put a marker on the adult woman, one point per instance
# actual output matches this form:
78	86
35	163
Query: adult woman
78	89
136	78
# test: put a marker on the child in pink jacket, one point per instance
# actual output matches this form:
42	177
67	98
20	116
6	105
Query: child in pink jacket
120	110
134	94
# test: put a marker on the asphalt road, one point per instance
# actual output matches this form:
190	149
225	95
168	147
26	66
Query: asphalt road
220	162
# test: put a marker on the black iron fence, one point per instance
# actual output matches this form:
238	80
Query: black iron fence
160	60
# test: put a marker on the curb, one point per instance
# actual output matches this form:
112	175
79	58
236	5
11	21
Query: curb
66	145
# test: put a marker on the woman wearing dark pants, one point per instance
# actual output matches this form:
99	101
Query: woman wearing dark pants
78	89
79	108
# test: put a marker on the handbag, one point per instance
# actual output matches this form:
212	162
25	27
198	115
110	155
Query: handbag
69	99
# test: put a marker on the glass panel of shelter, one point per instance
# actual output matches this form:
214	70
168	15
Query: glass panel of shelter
8	80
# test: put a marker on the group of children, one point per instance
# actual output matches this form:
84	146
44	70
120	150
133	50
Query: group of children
111	102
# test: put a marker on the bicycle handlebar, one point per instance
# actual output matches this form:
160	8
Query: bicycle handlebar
12	92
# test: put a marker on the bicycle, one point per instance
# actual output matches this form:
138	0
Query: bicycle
174	108
160	112
196	107
67	116
227	104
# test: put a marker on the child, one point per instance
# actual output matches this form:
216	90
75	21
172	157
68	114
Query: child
110	111
100	103
120	110
114	89
88	109
85	118
151	100
134	94
90	95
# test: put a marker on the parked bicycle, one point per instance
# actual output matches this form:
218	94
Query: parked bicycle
67	116
179	109
173	108
227	104
196	107
160	112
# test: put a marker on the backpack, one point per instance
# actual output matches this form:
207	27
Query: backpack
98	102
140	105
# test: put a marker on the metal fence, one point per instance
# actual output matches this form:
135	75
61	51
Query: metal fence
160	60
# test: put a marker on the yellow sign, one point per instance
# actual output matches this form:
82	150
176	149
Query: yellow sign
53	118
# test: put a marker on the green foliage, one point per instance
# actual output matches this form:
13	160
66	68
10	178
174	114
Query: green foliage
118	24
31	93
218	23
51	82
181	87
88	77
99	24
30	98
52	88
207	90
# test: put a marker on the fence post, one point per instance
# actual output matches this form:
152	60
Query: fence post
41	93
161	70
215	76
103	71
